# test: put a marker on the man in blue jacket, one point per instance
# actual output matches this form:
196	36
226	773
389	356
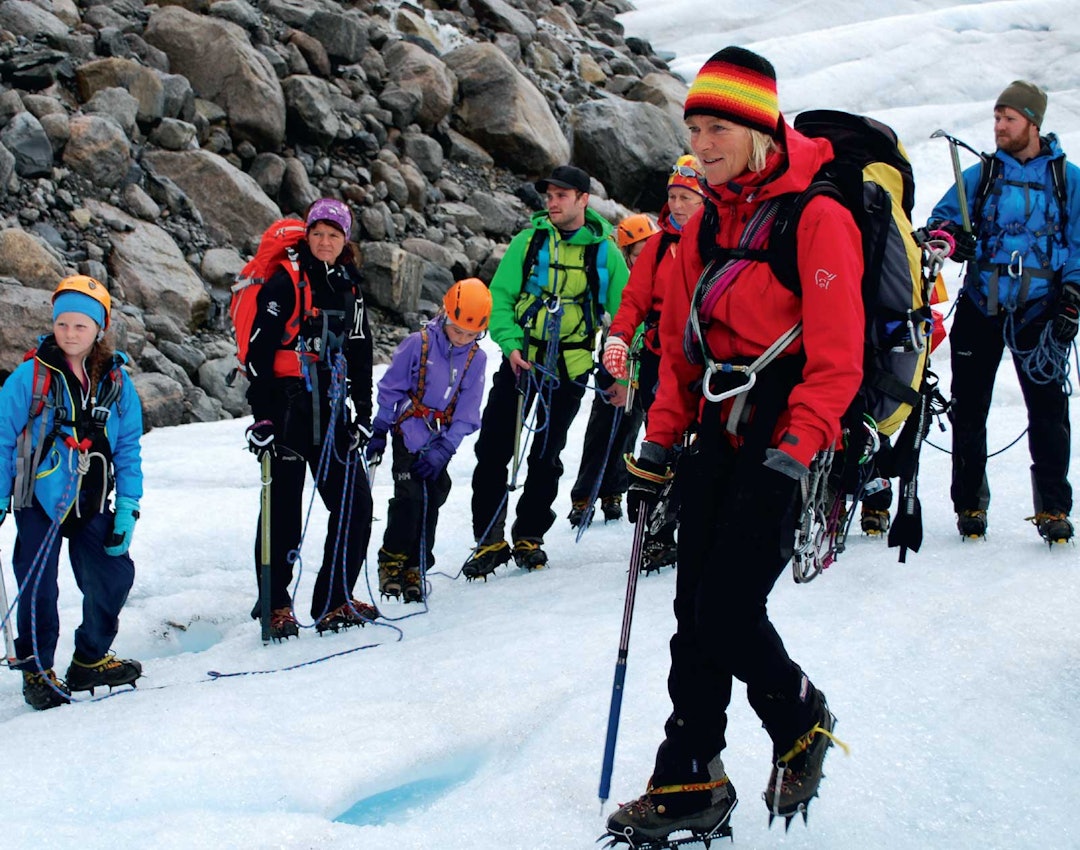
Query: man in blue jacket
1021	289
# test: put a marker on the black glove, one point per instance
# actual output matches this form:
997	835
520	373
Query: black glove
1064	325
964	250
359	435
376	446
649	474
260	438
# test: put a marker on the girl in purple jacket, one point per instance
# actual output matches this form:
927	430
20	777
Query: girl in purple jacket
429	401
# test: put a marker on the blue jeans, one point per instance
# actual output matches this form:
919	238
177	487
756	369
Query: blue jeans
104	580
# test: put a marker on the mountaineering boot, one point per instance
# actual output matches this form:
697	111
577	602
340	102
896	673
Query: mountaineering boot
40	691
796	773
485	559
1054	526
612	507
971	524
110	670
352	613
659	553
874	523
283	624
413	589
578	509
703	806
528	555
390	567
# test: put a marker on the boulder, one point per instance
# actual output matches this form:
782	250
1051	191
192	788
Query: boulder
27	141
152	272
222	65
231	203
29	19
28	259
629	147
414	69
25	314
502	17
505	113
97	149
143	83
309	111
392	276
162	400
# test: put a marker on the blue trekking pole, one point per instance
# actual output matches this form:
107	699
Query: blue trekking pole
620	662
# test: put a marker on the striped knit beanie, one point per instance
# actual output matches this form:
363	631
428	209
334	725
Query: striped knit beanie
739	86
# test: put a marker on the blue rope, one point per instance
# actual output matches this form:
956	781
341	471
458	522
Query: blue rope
1047	362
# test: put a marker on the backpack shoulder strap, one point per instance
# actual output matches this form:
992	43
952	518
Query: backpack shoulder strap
990	170
538	240
783	253
667	239
1061	192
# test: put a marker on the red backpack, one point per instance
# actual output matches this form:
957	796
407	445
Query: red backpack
276	250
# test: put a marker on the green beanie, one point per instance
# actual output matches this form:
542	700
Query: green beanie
1026	98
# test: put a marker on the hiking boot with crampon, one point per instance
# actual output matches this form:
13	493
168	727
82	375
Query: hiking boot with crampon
44	691
110	670
971	524
874	523
390	578
1054	526
658	554
612	507
578	509
283	624
413	590
485	559
528	555
797	773
702	808
352	613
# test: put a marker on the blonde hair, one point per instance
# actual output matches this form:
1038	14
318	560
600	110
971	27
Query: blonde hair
761	145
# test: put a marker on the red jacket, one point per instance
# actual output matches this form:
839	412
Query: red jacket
649	280
757	308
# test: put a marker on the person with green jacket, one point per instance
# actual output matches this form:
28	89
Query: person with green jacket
550	292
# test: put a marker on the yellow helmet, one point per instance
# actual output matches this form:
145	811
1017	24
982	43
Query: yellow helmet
634	228
468	304
86	285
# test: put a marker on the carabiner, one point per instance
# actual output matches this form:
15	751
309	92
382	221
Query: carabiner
715	368
1016	265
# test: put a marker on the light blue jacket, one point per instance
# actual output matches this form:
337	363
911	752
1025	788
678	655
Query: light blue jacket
1021	223
56	487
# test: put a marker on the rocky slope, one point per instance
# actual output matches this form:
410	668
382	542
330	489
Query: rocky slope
148	145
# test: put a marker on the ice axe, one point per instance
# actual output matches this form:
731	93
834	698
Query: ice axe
264	548
958	174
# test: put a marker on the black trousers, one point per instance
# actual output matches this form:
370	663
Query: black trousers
413	512
343	489
736	537
598	436
557	408
977	346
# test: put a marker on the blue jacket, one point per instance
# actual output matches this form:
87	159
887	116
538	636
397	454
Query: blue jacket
1022	220
56	488
445	374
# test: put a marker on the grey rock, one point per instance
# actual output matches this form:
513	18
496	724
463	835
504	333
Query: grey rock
413	69
24	314
502	213
185	355
174	135
140	204
142	82
162	400
116	104
236	11
343	35
213	378
297	193
268	170
28	260
28	19
309	111
98	150
392	276
26	140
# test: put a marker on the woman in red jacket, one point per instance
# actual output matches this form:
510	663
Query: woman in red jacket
642	302
724	309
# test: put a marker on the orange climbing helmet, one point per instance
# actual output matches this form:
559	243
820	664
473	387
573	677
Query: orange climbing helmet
85	285
468	304
634	228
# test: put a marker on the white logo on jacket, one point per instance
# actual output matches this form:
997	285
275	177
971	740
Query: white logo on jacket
823	277
273	308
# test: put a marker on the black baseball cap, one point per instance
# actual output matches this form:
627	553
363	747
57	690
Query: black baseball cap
566	177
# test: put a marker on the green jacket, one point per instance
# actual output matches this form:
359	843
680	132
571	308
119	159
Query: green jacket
569	282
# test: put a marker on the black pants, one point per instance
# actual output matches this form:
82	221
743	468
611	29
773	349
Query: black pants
343	489
977	345
736	536
601	449
598	436
495	449
413	512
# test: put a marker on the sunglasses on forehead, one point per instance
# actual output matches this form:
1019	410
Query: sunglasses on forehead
685	171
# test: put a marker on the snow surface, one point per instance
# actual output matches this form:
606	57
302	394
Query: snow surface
481	723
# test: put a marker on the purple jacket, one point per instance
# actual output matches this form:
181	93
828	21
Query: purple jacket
445	373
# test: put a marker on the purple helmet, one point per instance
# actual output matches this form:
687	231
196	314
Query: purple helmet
333	211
